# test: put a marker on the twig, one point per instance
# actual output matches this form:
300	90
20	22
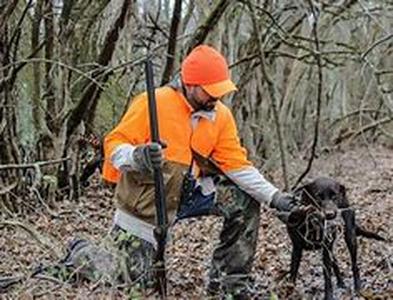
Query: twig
371	16
34	234
271	17
349	115
38	196
272	91
49	278
38	295
380	41
352	135
59	63
132	63
6	282
319	94
8	188
34	165
156	26
303	57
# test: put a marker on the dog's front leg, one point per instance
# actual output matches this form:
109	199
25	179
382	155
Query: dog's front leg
297	252
327	272
337	272
350	238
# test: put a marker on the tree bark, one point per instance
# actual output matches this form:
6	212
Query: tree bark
88	102
272	93
36	68
211	21
171	51
49	96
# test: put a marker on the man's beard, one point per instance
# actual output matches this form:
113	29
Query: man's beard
196	105
208	106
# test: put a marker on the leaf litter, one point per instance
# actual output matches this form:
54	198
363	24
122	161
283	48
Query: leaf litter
366	172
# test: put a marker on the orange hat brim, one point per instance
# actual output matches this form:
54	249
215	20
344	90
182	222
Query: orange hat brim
219	89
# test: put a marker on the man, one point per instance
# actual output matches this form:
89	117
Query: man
198	129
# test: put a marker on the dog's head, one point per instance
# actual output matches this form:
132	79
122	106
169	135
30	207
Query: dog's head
325	194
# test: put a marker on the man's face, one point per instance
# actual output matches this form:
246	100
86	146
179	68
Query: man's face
199	99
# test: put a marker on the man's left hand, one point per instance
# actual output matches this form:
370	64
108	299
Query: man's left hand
283	202
289	209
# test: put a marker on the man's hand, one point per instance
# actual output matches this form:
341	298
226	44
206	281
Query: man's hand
147	157
283	202
289	209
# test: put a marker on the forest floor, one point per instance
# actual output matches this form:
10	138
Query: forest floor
366	172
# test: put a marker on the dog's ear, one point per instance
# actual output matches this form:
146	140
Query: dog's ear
342	201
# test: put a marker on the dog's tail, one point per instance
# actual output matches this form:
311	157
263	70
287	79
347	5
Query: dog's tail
368	234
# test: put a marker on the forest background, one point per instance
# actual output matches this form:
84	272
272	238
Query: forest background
315	97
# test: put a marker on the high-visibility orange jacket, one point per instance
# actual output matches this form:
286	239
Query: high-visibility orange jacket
211	134
216	138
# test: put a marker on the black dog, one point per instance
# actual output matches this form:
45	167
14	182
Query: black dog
317	228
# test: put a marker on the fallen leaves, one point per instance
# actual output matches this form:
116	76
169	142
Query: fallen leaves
370	190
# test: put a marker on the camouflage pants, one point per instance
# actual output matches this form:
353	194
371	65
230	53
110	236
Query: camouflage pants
137	259
233	257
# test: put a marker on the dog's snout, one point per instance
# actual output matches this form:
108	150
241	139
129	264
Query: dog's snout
329	209
330	214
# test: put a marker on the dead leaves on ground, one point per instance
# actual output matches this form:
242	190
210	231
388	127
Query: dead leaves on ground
370	190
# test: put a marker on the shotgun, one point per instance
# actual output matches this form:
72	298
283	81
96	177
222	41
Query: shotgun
160	231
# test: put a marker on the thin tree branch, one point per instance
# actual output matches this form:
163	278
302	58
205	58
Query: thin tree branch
34	165
271	89
351	135
20	21
211	21
42	240
377	43
319	93
7	11
23	62
8	188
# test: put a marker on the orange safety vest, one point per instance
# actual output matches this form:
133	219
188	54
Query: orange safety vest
216	138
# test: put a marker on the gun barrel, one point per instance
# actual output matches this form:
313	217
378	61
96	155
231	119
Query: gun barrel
161	212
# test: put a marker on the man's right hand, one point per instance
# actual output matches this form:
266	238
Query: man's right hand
147	157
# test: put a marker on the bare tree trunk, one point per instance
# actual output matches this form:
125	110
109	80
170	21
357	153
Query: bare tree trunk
49	96
170	60
85	109
9	150
272	93
36	68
